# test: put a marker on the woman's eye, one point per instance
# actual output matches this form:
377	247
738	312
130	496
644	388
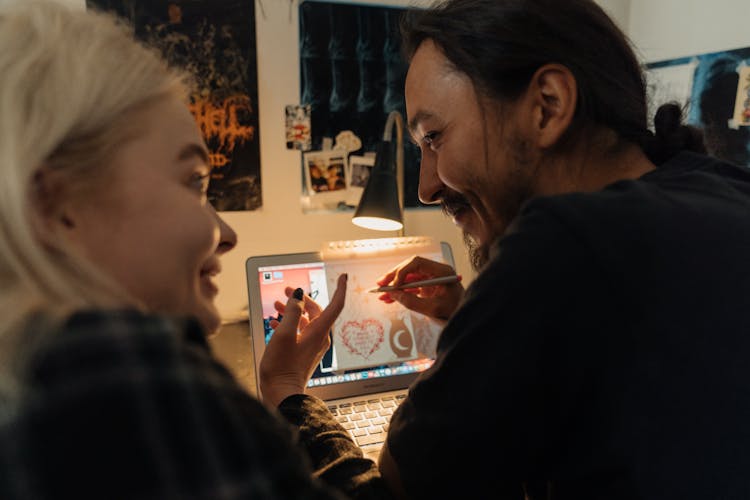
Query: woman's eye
200	182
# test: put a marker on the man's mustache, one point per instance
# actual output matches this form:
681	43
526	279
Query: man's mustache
452	203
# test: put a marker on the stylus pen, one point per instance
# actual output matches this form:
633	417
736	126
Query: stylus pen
442	280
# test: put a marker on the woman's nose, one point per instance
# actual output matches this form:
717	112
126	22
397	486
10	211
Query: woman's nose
227	236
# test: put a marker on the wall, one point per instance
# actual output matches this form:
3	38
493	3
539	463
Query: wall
666	29
619	10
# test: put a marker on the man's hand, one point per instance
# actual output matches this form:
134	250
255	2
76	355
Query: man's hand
438	302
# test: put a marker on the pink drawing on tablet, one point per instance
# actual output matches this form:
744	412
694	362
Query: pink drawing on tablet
362	337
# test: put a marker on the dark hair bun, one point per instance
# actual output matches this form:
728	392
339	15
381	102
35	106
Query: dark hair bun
672	136
667	120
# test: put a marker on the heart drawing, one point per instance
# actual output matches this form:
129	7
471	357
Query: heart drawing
362	337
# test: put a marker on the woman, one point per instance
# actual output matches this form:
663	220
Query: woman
107	255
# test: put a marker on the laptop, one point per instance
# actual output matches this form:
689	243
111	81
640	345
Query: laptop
377	349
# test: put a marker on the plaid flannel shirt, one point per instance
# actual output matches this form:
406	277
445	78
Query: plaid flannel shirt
121	405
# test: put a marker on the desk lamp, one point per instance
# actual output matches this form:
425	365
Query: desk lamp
381	204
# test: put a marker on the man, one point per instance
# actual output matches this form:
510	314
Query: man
600	352
565	343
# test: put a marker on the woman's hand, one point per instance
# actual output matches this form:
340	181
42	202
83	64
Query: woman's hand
297	345
438	302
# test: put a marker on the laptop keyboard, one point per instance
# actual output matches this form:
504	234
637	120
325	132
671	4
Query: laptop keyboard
367	419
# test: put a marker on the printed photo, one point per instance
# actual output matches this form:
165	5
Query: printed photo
359	173
359	170
325	171
742	103
298	127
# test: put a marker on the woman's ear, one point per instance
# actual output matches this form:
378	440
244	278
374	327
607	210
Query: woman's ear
554	94
48	204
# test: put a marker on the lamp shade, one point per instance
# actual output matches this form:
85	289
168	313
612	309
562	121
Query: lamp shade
379	207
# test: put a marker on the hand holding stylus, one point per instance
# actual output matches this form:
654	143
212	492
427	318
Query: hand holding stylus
438	298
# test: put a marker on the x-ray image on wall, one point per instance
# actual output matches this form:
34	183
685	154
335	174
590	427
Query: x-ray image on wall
352	75
715	95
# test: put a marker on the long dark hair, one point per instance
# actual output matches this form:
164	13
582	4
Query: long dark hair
499	44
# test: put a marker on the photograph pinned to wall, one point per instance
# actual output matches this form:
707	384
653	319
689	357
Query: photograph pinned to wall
360	168
325	179
298	134
742	102
215	42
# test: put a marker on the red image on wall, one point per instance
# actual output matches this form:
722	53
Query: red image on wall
215	42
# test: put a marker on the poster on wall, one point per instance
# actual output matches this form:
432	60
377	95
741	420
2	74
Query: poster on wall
352	76
215	41
714	89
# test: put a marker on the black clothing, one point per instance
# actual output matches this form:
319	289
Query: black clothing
602	353
121	405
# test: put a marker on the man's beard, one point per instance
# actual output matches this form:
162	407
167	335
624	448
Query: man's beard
453	203
517	189
478	254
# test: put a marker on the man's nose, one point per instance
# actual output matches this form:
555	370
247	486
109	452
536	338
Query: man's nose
430	185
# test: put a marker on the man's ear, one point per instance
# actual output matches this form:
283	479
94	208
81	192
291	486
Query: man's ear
553	95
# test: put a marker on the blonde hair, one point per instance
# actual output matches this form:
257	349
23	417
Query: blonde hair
70	83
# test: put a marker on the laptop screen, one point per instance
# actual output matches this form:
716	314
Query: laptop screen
371	342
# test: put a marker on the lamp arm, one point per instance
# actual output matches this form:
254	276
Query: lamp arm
394	117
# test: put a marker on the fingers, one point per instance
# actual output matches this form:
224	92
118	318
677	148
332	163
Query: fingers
437	302
330	313
279	306
407	264
303	322
415	277
413	302
386	279
421	268
301	313
413	269
311	307
286	330
421	291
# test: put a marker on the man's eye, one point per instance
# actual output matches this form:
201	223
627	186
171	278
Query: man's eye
429	137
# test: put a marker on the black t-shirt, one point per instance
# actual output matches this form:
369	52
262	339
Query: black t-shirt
604	352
